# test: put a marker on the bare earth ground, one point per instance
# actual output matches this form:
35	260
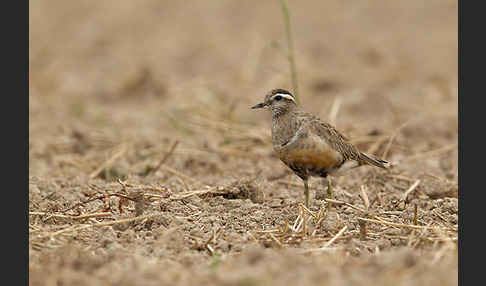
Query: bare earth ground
147	166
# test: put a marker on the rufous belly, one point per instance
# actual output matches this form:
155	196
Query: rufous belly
312	154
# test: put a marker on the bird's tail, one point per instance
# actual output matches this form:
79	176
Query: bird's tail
365	159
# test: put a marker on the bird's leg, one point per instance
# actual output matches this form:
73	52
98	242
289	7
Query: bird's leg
330	194
306	193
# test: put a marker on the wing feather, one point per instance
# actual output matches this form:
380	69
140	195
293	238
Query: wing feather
334	138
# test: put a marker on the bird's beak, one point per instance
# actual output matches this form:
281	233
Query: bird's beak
260	105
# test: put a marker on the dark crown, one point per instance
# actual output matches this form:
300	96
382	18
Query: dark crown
282	91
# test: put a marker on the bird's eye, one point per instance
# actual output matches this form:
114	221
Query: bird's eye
278	97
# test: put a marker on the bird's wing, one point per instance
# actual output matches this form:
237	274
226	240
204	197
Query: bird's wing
312	126
335	139
307	148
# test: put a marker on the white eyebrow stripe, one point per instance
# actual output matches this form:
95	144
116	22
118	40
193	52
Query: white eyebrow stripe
284	95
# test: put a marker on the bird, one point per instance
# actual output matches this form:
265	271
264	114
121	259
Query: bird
309	146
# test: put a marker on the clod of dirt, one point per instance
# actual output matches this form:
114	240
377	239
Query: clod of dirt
436	188
170	242
449	205
244	189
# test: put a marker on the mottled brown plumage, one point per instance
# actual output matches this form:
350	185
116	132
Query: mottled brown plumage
306	144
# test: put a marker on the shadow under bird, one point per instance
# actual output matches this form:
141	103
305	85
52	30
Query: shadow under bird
309	146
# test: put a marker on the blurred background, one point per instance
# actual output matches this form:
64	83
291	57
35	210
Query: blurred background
120	88
151	72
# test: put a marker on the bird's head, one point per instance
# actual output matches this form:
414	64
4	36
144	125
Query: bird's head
278	101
